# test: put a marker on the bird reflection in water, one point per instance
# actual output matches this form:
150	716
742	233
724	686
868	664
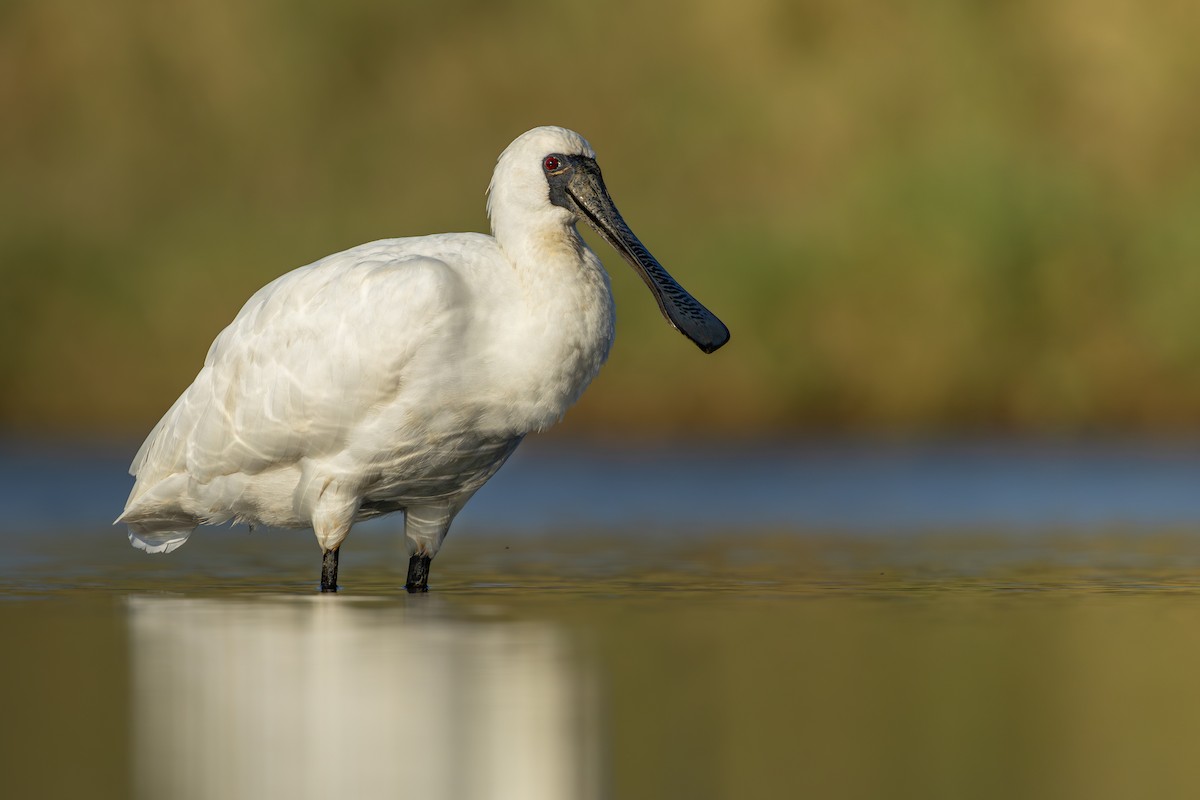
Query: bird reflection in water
302	697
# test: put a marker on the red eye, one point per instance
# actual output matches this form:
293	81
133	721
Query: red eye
551	164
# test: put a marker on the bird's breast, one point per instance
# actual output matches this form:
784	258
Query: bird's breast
551	347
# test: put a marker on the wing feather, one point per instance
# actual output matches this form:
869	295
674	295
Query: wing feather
304	361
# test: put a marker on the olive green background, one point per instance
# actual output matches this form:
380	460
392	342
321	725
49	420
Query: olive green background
916	217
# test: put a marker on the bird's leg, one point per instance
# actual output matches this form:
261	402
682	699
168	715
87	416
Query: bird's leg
424	527
329	570
418	574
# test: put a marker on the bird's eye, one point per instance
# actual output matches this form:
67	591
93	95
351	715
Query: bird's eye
551	164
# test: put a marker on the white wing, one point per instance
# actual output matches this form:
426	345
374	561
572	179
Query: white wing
305	360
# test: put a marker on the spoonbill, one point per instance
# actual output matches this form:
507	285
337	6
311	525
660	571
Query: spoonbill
399	375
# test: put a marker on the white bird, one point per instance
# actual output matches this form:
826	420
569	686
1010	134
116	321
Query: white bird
400	375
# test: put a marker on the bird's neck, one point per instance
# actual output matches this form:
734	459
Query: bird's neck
567	317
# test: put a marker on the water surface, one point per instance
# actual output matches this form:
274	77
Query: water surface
1046	649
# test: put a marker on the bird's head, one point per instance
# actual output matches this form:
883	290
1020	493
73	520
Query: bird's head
549	176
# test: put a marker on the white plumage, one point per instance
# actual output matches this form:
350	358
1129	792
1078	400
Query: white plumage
397	375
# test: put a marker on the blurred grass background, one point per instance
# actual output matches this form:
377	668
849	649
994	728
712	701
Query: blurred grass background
924	217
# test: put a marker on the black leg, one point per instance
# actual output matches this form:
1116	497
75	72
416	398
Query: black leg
418	574
329	571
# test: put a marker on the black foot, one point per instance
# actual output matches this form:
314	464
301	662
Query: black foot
329	571
418	574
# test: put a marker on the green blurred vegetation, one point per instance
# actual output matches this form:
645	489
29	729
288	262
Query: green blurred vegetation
916	217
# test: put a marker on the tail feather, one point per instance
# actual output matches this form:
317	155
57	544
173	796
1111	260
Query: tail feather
153	541
156	523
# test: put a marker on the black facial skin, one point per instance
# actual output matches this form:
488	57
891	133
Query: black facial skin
576	185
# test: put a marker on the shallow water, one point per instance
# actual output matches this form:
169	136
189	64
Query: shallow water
724	667
1032	658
